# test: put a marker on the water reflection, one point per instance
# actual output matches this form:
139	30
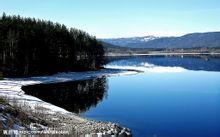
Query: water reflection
207	63
151	104
77	96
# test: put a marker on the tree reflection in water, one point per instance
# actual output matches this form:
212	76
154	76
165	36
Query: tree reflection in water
77	96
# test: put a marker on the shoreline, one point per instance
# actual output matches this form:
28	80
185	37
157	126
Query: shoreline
10	89
159	54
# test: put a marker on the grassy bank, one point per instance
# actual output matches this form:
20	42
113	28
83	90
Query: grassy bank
14	118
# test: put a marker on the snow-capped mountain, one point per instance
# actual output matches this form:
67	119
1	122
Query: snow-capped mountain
129	42
192	40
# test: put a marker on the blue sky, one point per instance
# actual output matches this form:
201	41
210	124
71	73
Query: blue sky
123	18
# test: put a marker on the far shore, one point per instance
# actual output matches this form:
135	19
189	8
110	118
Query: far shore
159	54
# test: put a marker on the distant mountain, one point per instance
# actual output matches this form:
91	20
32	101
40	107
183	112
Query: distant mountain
110	48
193	40
129	42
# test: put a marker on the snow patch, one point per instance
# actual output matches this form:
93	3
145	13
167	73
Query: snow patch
146	67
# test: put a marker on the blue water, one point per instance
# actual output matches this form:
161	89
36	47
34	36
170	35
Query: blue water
172	97
183	103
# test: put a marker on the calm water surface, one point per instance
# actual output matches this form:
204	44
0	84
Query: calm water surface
173	97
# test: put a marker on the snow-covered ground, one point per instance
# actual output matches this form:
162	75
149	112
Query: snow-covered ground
10	89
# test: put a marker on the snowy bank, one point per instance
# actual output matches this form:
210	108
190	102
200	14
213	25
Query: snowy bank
10	89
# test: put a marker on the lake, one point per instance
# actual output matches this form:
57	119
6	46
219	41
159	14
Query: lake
172	97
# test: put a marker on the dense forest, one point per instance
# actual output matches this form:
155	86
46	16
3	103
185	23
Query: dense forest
30	46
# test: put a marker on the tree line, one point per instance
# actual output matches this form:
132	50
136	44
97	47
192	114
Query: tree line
30	46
